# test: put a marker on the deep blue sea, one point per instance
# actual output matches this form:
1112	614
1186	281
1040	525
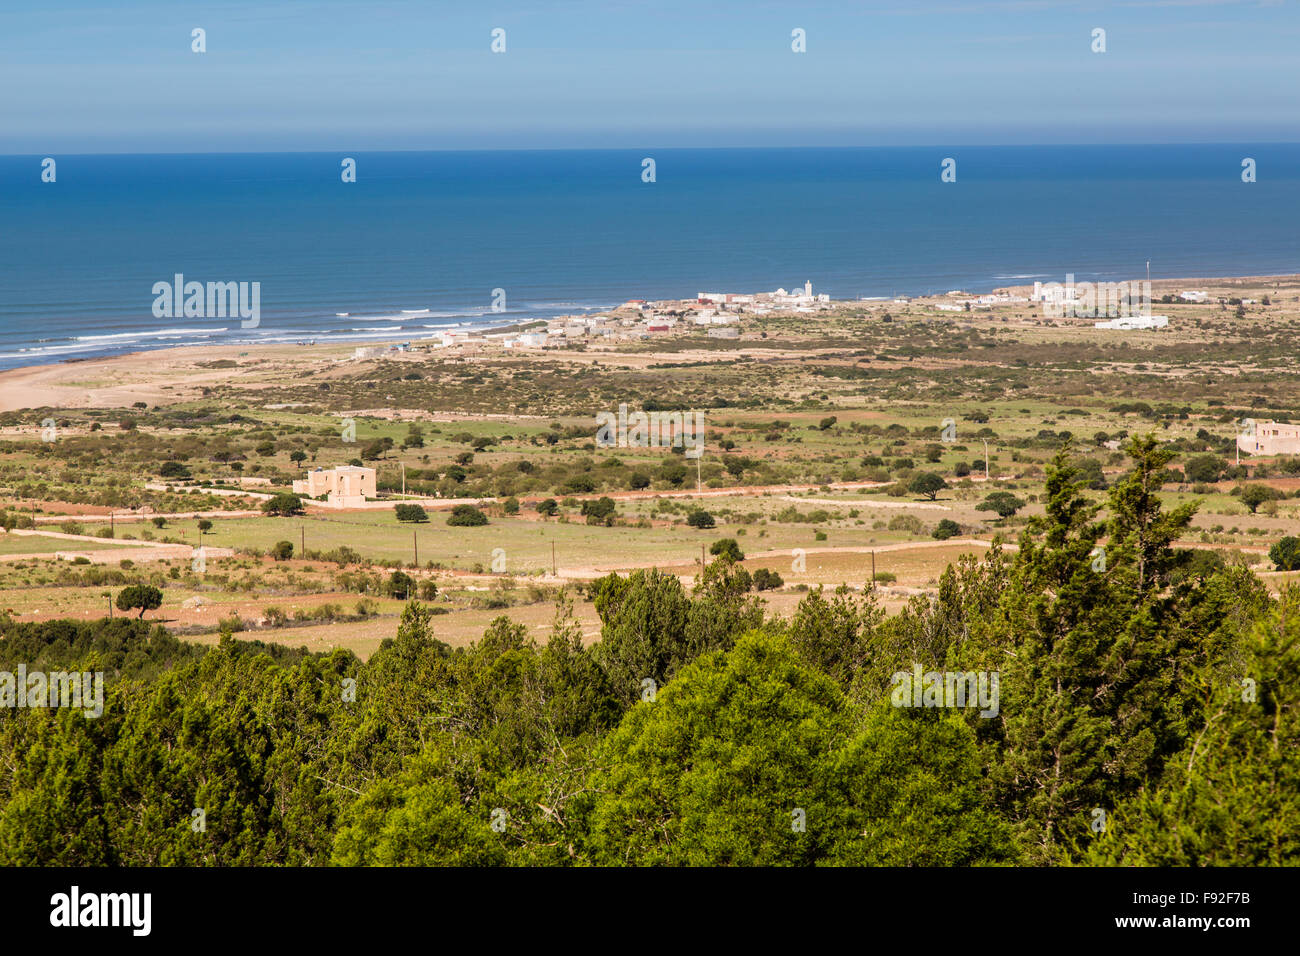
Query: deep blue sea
565	231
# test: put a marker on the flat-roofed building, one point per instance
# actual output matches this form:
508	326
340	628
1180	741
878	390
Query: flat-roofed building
1271	438
344	486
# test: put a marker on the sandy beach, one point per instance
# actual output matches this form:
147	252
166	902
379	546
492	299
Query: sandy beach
173	375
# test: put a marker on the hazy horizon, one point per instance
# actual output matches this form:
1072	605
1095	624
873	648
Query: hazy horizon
326	75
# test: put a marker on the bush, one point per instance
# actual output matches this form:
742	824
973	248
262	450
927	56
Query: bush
283	504
1205	468
1285	555
727	548
1254	495
600	511
699	518
945	529
909	523
415	513
1003	502
399	585
766	580
466	516
282	551
548	508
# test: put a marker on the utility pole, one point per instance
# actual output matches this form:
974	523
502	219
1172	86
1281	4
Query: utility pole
403	464
701	557
553	574
112	527
415	543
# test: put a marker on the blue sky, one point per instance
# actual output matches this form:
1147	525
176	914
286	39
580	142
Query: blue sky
79	77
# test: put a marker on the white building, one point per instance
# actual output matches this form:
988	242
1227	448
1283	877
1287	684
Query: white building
1134	322
1054	293
1270	438
344	486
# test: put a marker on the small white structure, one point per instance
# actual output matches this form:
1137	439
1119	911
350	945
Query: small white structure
344	486
1131	322
1053	293
1270	438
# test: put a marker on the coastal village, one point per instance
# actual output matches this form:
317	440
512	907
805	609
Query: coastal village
719	315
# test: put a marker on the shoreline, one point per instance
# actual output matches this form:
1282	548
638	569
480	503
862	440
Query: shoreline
177	373
30	355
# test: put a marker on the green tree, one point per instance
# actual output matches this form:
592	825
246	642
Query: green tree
727	548
410	512
1004	503
146	597
699	518
927	484
945	529
466	516
283	504
1232	797
1285	554
1254	495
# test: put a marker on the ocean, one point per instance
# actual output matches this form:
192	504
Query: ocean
421	240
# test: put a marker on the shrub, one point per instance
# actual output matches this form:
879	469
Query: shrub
282	551
1285	555
727	548
600	511
909	523
1205	468
945	529
1003	502
699	518
283	504
466	516
399	585
408	512
767	580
